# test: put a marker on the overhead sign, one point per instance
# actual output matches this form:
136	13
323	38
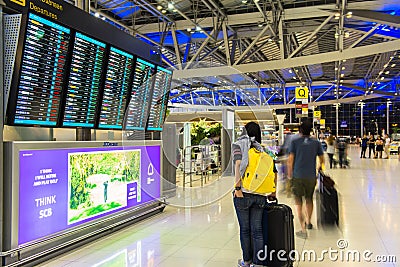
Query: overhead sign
317	114
301	92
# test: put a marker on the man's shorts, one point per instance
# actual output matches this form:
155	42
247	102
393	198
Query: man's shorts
303	187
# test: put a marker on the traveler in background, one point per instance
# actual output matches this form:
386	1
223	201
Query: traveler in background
387	146
303	152
371	146
330	150
341	146
378	147
364	145
249	206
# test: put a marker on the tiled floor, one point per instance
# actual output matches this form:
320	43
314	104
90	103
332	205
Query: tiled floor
208	235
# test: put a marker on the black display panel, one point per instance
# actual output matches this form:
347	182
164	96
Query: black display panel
141	96
116	87
42	73
162	84
83	91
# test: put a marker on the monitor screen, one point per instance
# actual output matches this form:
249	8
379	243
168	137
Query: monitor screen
42	73
84	82
117	82
136	116
162	84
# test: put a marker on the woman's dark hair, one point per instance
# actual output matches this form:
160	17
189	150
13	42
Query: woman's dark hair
253	130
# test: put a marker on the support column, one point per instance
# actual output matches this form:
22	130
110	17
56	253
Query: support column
2	4
337	119
170	144
387	116
227	138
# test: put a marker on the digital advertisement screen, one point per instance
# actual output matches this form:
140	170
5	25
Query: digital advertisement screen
63	188
42	72
140	96
119	70
84	82
159	100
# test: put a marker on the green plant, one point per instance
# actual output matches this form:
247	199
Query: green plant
203	129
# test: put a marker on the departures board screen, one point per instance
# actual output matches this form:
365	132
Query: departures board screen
136	116
159	100
116	88
84	82
42	73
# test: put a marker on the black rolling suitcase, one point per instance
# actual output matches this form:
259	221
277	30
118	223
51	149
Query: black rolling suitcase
327	202
278	234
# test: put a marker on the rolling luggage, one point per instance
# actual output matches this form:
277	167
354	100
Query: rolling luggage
327	202
278	234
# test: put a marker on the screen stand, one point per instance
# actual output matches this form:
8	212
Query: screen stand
2	4
83	134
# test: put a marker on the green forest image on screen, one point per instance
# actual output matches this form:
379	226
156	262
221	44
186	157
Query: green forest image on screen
98	181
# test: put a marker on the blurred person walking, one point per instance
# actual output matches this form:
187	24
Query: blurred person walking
303	152
378	147
387	146
364	145
330	149
371	146
341	146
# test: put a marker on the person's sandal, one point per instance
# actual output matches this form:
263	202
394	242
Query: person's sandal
301	234
242	263
309	226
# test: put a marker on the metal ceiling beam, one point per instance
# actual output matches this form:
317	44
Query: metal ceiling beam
252	44
362	38
356	52
226	44
298	49
193	22
198	52
176	46
297	13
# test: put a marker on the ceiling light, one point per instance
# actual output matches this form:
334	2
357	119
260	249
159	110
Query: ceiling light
244	1
346	34
349	14
163	11
188	29
387	72
97	14
382	78
198	28
337	15
290	71
393	65
342	75
385	65
343	68
170	6
344	60
336	68
159	7
341	81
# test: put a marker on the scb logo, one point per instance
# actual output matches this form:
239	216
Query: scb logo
45	213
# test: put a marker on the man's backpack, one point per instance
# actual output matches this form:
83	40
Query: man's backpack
259	176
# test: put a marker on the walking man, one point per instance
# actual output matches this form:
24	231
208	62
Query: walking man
303	152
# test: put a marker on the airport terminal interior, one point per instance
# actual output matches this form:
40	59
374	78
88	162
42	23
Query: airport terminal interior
118	119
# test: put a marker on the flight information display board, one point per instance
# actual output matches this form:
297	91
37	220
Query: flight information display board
159	100
140	96
84	82
42	73
118	75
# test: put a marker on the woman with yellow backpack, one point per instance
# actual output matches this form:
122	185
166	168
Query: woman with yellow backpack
255	180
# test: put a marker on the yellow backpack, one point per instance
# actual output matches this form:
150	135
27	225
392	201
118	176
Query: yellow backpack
259	176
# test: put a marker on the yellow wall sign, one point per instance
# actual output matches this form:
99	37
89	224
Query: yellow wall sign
301	92
317	114
322	121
